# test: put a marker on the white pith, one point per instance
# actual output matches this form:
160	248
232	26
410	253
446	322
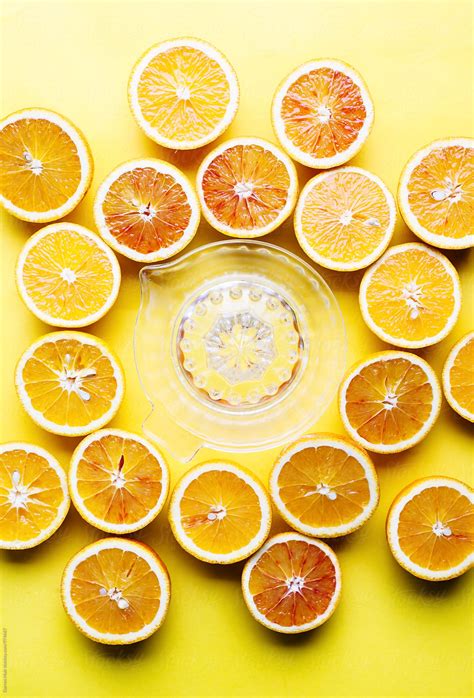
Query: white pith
327	262
154	133
291	196
37	416
411	220
311	441
84	158
79	502
279	126
161	167
188	544
295	583
126	546
392	529
435	405
447	380
49	319
406	343
63	507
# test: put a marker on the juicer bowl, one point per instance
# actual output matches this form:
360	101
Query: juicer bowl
240	346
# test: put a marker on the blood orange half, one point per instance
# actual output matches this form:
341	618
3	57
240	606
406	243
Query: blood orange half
147	210
292	584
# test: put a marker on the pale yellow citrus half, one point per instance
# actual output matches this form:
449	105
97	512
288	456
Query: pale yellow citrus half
67	276
344	218
183	93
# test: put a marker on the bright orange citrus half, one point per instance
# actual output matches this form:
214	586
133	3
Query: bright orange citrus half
219	512
247	187
183	93
411	297
458	377
436	193
34	499
116	591
324	485
69	382
147	210
430	528
322	113
389	401
344	218
118	481
67	276
292	584
45	165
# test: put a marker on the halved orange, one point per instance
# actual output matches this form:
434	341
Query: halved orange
322	113
147	210
69	382
411	297
247	187
34	499
183	93
430	528
118	481
389	401
436	193
219	512
458	377
344	219
45	165
116	591
292	584
324	485
67	276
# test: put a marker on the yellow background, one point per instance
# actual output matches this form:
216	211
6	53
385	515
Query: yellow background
392	634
